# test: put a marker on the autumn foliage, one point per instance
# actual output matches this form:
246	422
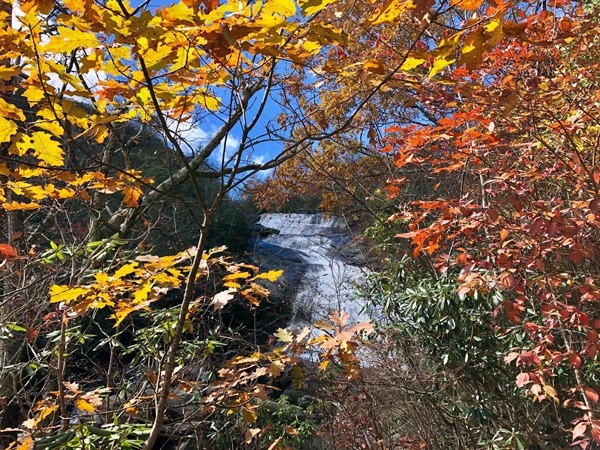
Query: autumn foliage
472	126
521	128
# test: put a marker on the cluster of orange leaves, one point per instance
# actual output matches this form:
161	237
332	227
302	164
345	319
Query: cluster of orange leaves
527	221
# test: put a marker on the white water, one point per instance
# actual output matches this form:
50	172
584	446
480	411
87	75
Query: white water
326	285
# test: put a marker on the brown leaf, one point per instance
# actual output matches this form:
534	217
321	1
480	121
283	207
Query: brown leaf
250	434
339	318
222	298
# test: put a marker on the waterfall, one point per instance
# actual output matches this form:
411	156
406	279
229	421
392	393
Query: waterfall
321	243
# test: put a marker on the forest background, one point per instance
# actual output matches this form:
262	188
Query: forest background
460	136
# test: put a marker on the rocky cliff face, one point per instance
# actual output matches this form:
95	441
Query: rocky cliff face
319	262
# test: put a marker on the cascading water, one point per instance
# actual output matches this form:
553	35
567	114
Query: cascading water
325	282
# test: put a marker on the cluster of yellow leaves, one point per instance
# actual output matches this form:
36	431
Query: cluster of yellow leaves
132	287
146	63
74	186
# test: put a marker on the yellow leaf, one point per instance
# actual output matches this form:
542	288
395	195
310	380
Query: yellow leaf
309	7
125	270
25	445
46	412
10	111
271	275
6	73
411	63
44	148
283	335
551	392
286	8
439	65
233	276
65	294
68	40
375	66
101	278
142	293
84	406
391	11
7	129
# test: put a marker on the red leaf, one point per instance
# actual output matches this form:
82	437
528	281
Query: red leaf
579	430
510	357
576	256
536	226
596	435
575	360
503	234
591	394
592	335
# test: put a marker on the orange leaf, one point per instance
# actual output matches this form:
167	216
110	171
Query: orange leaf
375	66
8	250
17	205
